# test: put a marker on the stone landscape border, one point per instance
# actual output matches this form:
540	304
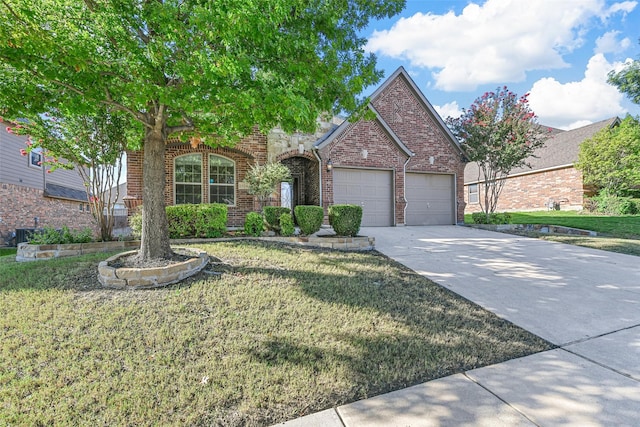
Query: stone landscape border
539	228
28	252
151	277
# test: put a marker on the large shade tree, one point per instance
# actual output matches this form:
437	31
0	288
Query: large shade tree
610	160
207	71
499	132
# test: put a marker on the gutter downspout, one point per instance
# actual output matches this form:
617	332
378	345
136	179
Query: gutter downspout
404	192
315	153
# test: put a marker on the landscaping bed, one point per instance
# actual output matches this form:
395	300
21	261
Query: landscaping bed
281	332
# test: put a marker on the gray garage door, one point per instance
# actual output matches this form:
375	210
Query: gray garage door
430	199
371	189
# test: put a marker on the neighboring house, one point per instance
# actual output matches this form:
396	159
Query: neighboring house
552	182
30	197
404	167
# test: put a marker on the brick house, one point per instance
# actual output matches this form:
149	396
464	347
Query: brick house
33	198
403	166
552	182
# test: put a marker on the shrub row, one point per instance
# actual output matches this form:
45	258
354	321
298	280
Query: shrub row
494	218
203	220
609	204
52	236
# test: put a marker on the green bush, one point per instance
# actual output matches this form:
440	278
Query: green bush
51	236
494	218
202	220
286	225
211	220
345	219
309	218
610	204
135	223
253	224
272	216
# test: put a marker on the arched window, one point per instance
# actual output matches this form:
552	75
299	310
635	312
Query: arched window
222	180
187	179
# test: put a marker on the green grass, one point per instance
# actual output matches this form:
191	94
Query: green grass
282	333
625	226
615	233
8	251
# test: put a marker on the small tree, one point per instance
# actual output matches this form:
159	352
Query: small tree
93	144
610	160
499	132
264	179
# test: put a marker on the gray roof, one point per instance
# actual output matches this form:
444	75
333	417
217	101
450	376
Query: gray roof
61	192
561	149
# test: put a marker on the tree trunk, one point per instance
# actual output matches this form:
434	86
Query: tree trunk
154	242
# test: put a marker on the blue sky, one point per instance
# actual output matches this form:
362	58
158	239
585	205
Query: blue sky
559	51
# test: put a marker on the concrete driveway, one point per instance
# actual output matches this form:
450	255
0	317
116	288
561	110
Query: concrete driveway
560	292
585	301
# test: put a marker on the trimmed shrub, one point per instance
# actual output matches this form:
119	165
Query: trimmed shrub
272	216
211	220
494	218
309	218
203	220
286	225
253	224
345	219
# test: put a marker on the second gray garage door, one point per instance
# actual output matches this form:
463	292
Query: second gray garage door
430	199
371	189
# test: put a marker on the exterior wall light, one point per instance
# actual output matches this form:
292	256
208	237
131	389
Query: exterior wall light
329	165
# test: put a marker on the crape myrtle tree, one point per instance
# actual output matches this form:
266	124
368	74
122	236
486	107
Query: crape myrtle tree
208	71
92	143
499	132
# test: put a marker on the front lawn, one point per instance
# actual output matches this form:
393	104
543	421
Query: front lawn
625	226
284	332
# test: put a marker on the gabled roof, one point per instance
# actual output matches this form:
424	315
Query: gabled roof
330	136
560	150
61	192
401	72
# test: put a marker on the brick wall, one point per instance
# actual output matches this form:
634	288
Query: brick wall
381	153
533	191
20	205
247	152
421	133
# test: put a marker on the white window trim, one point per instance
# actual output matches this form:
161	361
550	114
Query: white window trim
38	151
476	193
235	179
202	176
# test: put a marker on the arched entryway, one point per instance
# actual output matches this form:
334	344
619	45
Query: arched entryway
305	188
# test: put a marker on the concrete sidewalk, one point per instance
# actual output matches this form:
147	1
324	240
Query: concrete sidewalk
583	300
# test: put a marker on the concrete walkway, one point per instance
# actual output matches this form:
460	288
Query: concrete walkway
585	301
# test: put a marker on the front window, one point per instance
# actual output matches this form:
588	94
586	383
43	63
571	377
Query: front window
222	178
188	179
35	157
473	193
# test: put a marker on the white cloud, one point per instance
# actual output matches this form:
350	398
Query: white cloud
496	42
609	43
450	109
577	103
